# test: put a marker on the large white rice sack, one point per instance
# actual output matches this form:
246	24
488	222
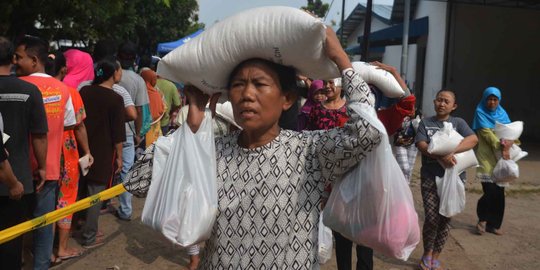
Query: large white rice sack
465	160
444	141
382	79
510	131
283	35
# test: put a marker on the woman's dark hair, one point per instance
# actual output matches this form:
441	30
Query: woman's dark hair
55	63
449	91
104	70
286	75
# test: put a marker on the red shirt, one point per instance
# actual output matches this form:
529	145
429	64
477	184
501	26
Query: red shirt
392	117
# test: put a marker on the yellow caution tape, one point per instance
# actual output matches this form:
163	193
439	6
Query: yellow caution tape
51	217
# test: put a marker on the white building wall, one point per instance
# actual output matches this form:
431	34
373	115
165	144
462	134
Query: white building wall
434	59
376	25
392	56
433	74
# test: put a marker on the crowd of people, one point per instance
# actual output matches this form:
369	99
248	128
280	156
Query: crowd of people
75	122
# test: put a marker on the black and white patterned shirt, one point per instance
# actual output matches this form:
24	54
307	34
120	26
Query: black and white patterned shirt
269	196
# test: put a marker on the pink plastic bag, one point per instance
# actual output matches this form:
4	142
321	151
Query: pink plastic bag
373	205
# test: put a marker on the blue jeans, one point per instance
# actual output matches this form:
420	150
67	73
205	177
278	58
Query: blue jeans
43	237
128	158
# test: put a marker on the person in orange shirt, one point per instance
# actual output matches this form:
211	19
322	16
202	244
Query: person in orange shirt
74	140
157	105
30	59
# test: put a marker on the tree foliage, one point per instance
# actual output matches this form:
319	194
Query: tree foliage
317	7
144	22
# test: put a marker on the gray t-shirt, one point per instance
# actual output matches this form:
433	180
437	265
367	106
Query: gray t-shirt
428	126
136	88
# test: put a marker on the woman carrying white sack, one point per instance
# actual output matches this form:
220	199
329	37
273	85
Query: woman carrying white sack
270	180
490	208
435	230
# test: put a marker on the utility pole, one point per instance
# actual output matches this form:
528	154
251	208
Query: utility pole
342	20
367	31
405	45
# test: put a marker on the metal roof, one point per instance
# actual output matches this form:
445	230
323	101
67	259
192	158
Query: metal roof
382	12
527	4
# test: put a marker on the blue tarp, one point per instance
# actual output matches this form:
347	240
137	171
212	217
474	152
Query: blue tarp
356	49
166	47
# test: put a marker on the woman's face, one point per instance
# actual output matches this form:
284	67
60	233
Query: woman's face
256	97
445	103
332	91
492	102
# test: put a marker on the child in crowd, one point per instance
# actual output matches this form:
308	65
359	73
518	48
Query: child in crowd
316	94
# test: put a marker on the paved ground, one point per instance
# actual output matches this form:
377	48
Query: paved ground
132	245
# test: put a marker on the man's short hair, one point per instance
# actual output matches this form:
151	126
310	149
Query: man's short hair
6	51
127	53
35	46
104	49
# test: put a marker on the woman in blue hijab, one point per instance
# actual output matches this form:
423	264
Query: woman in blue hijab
489	110
490	208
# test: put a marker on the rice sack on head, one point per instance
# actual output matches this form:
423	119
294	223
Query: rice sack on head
283	35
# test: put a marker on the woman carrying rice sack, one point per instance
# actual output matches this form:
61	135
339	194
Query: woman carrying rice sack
435	230
270	180
490	208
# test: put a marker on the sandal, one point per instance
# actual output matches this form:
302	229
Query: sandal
98	242
55	261
425	263
72	255
436	265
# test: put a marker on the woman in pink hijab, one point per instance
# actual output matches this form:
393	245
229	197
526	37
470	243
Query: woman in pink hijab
80	67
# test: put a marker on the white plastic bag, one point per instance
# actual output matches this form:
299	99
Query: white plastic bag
444	141
416	122
283	35
383	79
505	171
516	153
325	242
511	131
451	191
373	205
182	199
465	160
